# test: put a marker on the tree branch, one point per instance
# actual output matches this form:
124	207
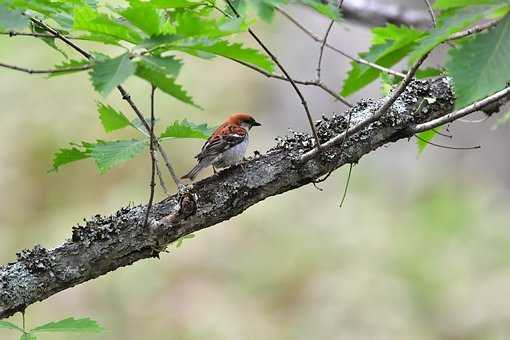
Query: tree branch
371	119
106	243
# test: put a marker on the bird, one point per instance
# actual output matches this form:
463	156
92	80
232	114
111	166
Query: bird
226	146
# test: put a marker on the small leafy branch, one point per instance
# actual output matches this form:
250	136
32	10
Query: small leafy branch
69	325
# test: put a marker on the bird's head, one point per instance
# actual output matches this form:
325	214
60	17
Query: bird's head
243	119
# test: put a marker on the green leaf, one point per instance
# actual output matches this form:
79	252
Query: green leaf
451	23
108	74
9	325
185	129
86	19
390	45
448	4
84	325
428	73
68	64
28	336
158	41
327	9
111	119
480	66
13	19
192	24
162	81
109	154
426	136
144	16
66	156
167	4
228	50
168	65
263	8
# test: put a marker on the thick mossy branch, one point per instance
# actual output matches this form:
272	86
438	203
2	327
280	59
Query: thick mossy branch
106	243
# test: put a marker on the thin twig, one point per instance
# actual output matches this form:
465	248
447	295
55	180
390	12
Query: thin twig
153	158
319	40
300	82
280	66
398	91
321	51
462	112
442	133
346	185
324	42
160	177
57	34
446	146
125	95
431	12
27	34
473	30
37	35
56	70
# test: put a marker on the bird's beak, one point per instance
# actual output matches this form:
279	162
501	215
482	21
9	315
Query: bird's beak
256	124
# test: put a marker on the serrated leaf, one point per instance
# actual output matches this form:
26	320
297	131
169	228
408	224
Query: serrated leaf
111	119
9	325
327	9
191	24
109	154
88	20
108	74
11	19
84	325
168	65
452	22
480	66
229	50
163	82
158	41
425	136
144	16
68	64
391	44
70	155
186	129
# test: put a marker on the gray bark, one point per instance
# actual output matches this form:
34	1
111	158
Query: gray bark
105	243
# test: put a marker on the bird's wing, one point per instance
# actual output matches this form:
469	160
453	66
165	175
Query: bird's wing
222	139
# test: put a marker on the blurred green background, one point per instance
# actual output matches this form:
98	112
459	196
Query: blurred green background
420	250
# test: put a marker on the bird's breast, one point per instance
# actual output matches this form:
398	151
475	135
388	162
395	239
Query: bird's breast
232	156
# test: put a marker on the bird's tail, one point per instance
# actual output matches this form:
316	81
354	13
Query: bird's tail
193	172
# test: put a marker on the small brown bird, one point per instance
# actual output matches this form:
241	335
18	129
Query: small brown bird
227	144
